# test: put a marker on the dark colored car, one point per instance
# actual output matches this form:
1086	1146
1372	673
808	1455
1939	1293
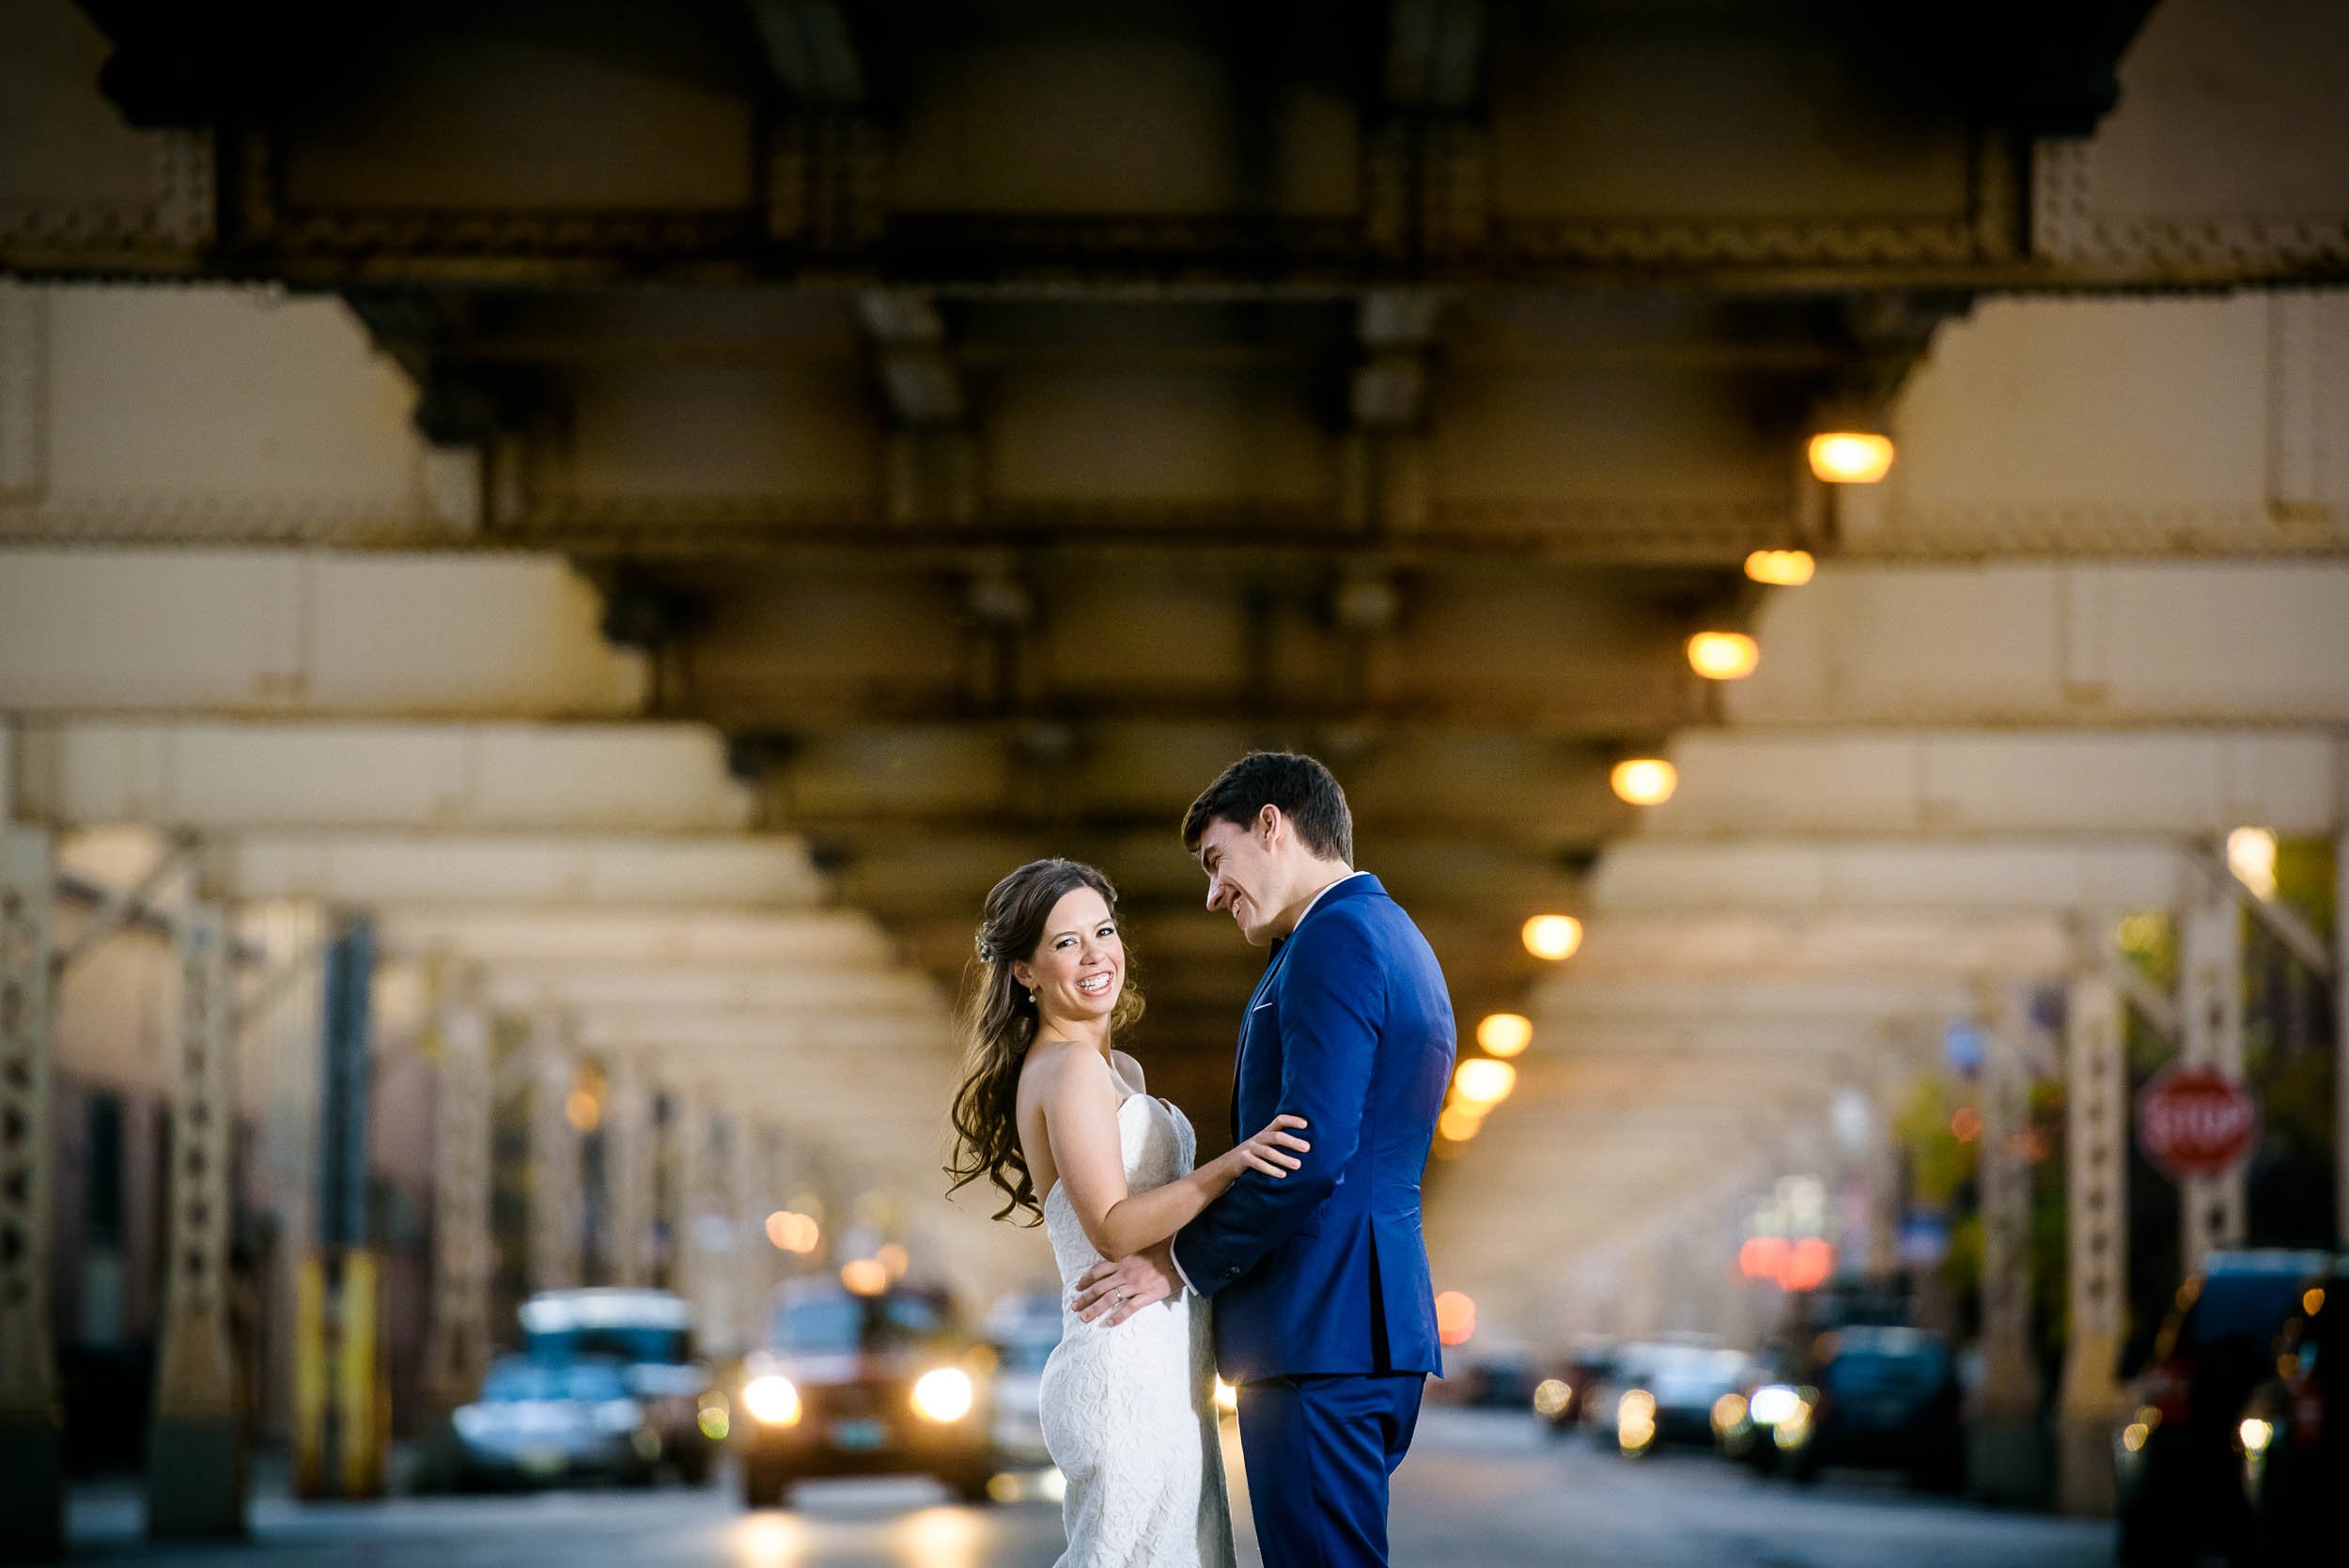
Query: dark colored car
1885	1399
852	1385
1565	1400
1673	1394
542	1422
2294	1435
2177	1462
648	1333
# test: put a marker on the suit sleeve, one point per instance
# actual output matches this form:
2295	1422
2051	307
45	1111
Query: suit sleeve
1332	1002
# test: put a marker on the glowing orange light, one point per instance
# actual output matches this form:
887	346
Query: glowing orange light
582	1109
1965	1123
1809	1261
1645	781
1505	1033
892	1259
1458	1123
1763	1257
865	1276
1781	569
1455	1318
792	1232
1553	937
1483	1081
1723	654
1850	457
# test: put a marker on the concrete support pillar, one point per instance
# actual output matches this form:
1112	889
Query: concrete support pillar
627	1144
2096	1088
2004	1457
195	1458
555	1220
457	1347
32	1451
2210	1023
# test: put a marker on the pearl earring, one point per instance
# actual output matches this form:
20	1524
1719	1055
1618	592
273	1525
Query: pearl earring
1031	998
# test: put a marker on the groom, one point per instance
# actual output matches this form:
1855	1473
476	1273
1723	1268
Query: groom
1325	1317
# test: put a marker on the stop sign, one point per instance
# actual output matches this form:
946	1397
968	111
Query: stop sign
2196	1121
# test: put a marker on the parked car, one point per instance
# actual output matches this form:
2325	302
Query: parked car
2178	1465
2294	1435
850	1385
1025	1329
1776	1386
1567	1399
1885	1399
648	1334
540	1422
1671	1394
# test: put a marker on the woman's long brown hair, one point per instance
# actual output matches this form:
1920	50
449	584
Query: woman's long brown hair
998	1024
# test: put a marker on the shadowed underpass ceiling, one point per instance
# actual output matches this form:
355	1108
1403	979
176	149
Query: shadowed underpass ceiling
995	419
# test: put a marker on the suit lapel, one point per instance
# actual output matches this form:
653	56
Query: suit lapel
1248	1027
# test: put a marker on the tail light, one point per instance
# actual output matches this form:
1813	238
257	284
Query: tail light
2307	1398
2167	1388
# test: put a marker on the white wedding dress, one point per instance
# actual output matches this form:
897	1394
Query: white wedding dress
1130	1412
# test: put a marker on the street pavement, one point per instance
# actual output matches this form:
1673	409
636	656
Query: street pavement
1482	1489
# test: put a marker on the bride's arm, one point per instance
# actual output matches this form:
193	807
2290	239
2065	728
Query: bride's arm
1081	1119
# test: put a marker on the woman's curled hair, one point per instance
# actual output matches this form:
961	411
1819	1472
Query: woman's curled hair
998	1024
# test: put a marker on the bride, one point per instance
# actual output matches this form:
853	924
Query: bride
1128	1412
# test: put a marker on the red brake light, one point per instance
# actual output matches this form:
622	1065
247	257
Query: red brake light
2167	1386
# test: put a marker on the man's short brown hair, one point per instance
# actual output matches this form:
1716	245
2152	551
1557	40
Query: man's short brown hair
1305	791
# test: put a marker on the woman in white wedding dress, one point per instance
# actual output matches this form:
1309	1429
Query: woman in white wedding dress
1128	1412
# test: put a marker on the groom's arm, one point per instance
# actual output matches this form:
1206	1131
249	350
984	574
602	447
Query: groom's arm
1332	1006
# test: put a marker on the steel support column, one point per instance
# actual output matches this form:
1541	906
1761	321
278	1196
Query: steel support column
2210	1022
556	1221
456	1352
628	1165
291	1015
2003	1441
32	1452
2096	1085
341	1418
195	1458
2340	1018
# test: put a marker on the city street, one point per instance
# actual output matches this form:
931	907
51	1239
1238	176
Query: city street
1482	1488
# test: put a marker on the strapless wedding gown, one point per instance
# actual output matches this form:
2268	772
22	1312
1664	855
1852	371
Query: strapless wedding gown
1130	1412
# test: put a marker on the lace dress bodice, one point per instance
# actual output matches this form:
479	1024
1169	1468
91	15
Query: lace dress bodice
1128	1412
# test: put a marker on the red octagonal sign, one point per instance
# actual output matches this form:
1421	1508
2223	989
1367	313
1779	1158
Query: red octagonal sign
2197	1122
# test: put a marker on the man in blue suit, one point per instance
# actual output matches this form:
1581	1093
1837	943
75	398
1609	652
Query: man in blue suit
1325	1316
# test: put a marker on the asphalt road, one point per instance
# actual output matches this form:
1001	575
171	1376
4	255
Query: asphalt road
1481	1488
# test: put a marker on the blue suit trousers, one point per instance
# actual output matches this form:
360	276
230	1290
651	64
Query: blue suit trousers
1319	1451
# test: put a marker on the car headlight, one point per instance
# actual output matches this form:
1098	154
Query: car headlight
771	1399
1772	1402
944	1396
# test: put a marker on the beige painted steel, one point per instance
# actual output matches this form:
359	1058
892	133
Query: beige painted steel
289	1019
2210	1017
2148	427
2096	1156
457	1347
454	778
556	1217
846	994
2080	646
560	941
2340	1012
630	1169
629	871
28	1386
197	1377
1771	873
1996	782
272	633
1818	943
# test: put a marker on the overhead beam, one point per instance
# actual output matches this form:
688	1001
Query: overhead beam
430	869
2054	874
261	775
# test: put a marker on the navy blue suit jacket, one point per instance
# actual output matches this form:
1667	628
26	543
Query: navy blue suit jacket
1326	1270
